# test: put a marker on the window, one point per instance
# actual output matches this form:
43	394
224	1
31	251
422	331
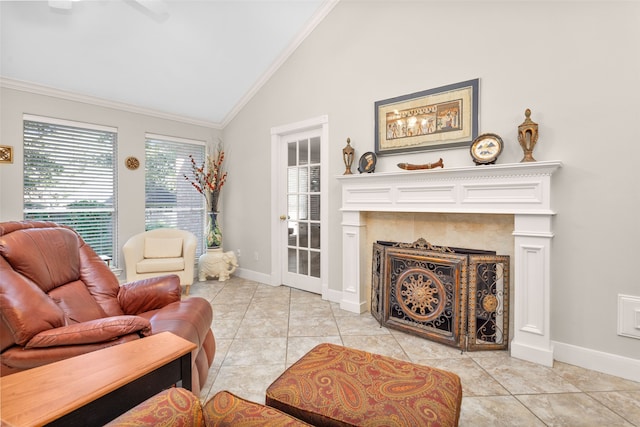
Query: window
170	200
69	178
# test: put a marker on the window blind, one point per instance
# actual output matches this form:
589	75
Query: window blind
69	178
170	200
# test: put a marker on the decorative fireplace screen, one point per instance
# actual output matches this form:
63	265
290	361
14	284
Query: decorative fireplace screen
455	296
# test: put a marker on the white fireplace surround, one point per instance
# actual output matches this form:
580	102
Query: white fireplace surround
521	189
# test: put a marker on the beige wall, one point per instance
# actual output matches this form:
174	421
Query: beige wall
575	64
131	132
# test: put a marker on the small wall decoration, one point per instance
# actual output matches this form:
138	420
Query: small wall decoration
367	162
132	163
444	117
6	154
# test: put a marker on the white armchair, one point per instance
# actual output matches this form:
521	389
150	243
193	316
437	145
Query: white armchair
160	252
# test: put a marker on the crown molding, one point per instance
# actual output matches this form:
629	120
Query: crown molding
317	17
25	86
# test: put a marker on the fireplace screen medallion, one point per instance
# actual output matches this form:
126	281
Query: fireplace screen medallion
455	296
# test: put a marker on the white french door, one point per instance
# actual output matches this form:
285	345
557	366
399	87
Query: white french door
300	238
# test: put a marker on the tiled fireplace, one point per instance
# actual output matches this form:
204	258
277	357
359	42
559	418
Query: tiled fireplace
522	190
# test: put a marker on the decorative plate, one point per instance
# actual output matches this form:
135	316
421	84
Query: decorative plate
486	148
367	162
132	163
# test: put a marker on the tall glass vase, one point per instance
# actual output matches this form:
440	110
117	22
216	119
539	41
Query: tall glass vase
214	233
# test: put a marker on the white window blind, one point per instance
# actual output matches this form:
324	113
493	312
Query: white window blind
69	178
170	200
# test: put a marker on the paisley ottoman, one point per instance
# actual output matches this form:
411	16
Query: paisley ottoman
339	386
228	410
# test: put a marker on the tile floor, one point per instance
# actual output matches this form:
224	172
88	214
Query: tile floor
260	330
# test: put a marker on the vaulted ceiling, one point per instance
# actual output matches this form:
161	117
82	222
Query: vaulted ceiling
200	60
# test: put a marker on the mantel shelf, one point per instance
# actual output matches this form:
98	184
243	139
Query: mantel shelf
500	170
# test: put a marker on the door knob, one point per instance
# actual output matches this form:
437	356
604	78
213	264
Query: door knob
283	217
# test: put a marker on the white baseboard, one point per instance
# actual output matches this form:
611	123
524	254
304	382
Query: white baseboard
253	275
607	363
533	354
331	295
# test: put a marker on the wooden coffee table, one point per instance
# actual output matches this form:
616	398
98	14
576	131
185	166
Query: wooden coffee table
94	388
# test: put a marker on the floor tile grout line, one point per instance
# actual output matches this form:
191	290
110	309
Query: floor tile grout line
529	409
608	407
491	376
286	347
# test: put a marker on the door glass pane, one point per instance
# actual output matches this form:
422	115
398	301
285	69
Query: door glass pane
303	211
303	150
304	235
303	262
292	240
292	261
291	153
314	264
292	207
292	180
314	148
314	185
303	180
314	236
315	207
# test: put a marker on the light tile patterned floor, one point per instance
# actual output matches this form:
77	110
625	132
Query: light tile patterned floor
260	330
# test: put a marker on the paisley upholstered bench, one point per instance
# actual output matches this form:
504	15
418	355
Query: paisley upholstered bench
338	386
179	407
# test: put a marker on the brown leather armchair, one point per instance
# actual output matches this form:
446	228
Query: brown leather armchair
58	299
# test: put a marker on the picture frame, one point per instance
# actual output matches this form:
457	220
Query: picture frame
440	118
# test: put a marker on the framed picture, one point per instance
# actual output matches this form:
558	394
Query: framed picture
440	118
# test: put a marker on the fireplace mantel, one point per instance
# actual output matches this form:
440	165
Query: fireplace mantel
521	189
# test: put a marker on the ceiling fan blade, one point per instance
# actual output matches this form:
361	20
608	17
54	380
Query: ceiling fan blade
156	7
60	4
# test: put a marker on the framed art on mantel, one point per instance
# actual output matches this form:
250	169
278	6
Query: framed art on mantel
440	118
